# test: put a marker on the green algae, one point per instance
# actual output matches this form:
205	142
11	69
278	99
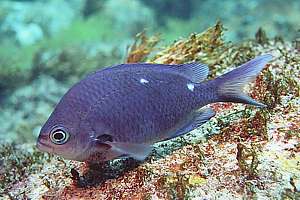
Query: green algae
70	64
27	108
21	64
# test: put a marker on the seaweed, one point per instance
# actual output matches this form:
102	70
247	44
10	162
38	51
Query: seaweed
141	47
261	36
201	47
248	161
296	41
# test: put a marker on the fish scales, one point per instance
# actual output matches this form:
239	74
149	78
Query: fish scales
161	103
124	109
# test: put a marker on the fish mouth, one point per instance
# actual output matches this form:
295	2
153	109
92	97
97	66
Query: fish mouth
42	145
42	137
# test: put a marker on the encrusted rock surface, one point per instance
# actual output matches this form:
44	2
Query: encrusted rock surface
243	152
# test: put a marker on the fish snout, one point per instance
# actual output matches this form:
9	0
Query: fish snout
38	145
42	143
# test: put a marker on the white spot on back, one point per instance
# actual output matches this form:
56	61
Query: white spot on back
143	81
190	86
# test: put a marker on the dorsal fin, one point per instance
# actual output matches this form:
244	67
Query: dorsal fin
194	71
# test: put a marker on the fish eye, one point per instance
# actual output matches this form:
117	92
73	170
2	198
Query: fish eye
59	136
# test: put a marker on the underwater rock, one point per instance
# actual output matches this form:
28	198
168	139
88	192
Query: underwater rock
70	64
91	7
129	16
28	22
11	76
17	161
243	152
278	17
28	34
27	108
171	8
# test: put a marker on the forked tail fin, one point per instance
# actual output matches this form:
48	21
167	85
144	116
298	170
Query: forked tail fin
230	85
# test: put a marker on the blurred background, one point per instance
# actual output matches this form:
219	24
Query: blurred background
47	45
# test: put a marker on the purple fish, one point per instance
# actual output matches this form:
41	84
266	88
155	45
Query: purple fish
124	109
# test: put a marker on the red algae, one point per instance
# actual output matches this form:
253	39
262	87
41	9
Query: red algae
218	107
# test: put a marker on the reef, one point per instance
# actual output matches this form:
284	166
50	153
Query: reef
243	152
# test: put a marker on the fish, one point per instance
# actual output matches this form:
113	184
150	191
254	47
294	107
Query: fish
122	110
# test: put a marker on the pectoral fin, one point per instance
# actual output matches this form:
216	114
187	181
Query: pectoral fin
136	151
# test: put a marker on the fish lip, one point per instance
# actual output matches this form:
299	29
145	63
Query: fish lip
42	137
42	146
